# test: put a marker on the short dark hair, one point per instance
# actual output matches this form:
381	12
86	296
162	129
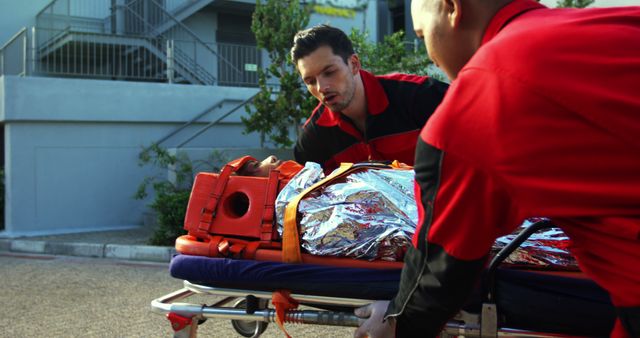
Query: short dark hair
307	41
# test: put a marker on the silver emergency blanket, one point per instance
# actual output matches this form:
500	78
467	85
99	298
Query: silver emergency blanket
369	214
546	249
372	214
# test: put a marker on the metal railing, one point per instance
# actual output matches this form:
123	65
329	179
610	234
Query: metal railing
135	40
79	15
245	61
151	18
136	58
67	53
97	55
275	87
14	55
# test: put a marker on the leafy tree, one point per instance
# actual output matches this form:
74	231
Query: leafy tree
391	55
273	112
276	110
573	3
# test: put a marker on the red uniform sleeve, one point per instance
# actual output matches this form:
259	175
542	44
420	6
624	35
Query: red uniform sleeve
462	211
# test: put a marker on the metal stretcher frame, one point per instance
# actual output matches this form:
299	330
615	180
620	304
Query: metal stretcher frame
252	306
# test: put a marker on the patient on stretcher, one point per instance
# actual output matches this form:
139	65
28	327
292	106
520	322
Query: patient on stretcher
262	168
368	214
371	213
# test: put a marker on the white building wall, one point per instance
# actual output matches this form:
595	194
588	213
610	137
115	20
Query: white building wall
71	146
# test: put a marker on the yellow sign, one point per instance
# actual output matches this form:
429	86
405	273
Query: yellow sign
332	11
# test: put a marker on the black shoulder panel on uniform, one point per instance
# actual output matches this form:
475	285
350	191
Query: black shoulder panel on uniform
434	284
428	164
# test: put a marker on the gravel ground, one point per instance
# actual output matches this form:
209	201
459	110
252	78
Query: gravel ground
59	296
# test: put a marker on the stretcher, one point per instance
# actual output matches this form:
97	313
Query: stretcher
508	302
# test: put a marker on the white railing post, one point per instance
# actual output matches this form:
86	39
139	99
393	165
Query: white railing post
170	61
34	50
119	14
25	51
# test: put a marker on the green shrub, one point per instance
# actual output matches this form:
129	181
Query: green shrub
171	196
171	205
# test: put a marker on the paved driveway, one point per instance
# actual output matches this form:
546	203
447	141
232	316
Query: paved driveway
59	296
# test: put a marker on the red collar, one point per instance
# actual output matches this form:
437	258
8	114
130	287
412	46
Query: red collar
377	101
505	14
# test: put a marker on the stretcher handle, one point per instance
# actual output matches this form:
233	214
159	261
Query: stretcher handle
507	250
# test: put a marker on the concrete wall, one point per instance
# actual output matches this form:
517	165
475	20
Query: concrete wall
72	146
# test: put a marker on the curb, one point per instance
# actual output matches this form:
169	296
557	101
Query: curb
147	253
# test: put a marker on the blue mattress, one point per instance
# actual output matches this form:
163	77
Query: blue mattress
526	299
298	278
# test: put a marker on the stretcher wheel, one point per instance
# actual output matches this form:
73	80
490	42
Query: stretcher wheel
248	328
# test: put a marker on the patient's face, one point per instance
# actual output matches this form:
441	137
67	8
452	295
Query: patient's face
260	169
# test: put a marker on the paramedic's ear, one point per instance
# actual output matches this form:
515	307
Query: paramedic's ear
354	64
453	10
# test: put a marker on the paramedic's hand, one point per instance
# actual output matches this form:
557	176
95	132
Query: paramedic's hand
372	324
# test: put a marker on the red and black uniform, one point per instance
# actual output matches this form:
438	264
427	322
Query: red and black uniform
544	120
398	107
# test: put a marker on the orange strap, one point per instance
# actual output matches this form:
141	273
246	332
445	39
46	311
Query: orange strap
250	251
239	162
209	210
282	301
266	228
290	238
215	246
236	250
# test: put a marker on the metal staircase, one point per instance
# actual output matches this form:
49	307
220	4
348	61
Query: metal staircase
184	65
132	40
179	13
154	21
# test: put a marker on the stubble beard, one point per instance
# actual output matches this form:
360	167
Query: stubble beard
348	97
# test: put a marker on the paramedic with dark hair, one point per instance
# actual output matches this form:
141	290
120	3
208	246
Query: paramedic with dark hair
360	116
542	118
